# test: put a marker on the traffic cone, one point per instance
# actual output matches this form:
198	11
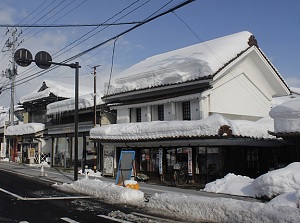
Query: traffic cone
42	173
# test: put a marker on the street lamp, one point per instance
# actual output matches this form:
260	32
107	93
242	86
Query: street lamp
43	60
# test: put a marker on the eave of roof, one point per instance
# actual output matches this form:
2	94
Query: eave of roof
156	90
195	141
285	134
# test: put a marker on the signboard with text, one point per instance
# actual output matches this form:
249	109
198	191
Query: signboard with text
3	150
190	163
125	166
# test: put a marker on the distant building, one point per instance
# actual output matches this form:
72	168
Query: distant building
28	139
287	126
61	130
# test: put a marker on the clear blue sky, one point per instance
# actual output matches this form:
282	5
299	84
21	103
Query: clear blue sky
275	25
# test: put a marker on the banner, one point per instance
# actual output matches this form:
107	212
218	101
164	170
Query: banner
160	158
3	150
190	162
108	161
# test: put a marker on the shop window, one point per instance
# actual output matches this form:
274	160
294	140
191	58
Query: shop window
149	160
201	161
252	160
186	110
160	112
209	161
171	159
213	161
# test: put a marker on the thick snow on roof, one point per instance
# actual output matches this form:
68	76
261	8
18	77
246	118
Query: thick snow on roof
57	88
287	116
171	129
84	101
189	63
5	116
24	129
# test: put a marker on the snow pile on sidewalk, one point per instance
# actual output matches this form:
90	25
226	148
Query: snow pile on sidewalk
204	209
278	181
283	183
232	184
108	192
269	185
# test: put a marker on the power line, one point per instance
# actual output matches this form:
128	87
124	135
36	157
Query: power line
129	30
33	12
30	69
45	8
16	25
95	29
112	65
59	17
44	16
68	25
33	76
72	9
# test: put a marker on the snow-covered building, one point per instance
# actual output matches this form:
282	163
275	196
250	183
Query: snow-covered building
287	124
61	129
6	152
28	138
202	105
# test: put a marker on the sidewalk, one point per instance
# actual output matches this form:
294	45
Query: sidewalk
58	175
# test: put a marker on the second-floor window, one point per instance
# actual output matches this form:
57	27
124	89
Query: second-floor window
160	112
186	110
138	114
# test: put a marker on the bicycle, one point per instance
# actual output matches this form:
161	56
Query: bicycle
179	177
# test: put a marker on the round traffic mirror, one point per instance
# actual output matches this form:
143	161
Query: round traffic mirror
23	57
43	59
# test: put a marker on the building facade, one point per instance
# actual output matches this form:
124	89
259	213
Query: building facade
61	131
228	76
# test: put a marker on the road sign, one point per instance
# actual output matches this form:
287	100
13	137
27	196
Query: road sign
23	57
125	166
43	59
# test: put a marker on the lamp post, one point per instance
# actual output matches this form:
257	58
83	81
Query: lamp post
43	60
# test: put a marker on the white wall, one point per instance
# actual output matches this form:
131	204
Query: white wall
146	114
195	109
123	115
243	92
170	109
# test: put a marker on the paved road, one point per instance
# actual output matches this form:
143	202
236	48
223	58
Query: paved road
55	175
26	197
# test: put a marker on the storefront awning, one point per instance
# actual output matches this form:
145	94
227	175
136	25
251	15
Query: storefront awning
24	129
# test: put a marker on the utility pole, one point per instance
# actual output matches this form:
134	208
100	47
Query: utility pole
95	92
94	120
11	73
95	111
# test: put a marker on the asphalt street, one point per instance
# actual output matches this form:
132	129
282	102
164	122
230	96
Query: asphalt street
27	196
24	199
